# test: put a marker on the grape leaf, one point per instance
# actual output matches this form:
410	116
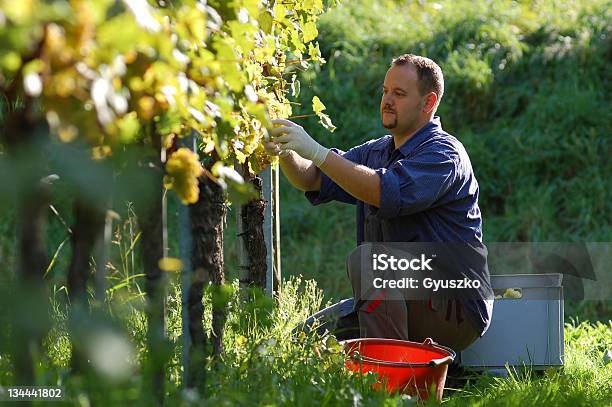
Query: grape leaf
317	105
326	122
265	21
310	31
295	87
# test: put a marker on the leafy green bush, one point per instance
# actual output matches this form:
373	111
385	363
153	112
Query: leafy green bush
527	89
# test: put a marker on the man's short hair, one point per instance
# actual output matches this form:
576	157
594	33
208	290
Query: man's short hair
428	72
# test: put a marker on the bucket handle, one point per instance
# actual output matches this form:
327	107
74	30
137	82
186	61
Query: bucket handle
432	363
440	361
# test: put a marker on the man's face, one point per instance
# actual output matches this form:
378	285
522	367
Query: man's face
401	105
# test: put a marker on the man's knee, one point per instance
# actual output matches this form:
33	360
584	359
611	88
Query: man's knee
442	324
354	272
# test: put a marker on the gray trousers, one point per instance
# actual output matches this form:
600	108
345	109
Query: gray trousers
391	316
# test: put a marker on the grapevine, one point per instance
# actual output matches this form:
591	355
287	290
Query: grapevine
104	71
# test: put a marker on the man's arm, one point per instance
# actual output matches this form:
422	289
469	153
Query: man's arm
300	172
358	180
409	185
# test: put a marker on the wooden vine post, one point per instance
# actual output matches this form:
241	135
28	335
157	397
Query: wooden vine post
276	264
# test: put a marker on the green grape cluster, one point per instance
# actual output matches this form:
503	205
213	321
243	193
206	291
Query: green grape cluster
104	70
182	171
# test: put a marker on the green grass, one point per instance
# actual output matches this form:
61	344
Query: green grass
264	364
585	380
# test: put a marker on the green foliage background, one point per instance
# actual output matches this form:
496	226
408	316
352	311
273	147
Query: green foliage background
527	88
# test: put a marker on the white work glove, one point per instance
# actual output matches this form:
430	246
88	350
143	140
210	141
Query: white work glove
274	149
292	136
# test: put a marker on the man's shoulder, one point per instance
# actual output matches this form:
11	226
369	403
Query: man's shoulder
442	142
445	144
376	143
360	153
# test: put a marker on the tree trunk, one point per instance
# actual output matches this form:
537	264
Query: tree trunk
88	225
207	219
33	258
23	135
31	297
254	243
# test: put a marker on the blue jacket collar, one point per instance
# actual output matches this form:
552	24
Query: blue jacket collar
421	135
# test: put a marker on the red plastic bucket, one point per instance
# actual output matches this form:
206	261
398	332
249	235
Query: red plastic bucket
408	367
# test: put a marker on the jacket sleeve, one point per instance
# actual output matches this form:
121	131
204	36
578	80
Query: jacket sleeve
415	184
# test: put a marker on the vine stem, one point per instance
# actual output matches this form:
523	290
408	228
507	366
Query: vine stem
301	116
298	61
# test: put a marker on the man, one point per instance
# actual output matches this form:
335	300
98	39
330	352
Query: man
415	185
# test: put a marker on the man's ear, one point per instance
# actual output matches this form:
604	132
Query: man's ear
430	102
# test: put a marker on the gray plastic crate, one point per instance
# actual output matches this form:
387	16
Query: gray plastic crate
523	331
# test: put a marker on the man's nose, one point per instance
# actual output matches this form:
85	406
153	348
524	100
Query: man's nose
387	101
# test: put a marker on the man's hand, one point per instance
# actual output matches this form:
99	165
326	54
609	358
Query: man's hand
293	137
274	149
304	168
